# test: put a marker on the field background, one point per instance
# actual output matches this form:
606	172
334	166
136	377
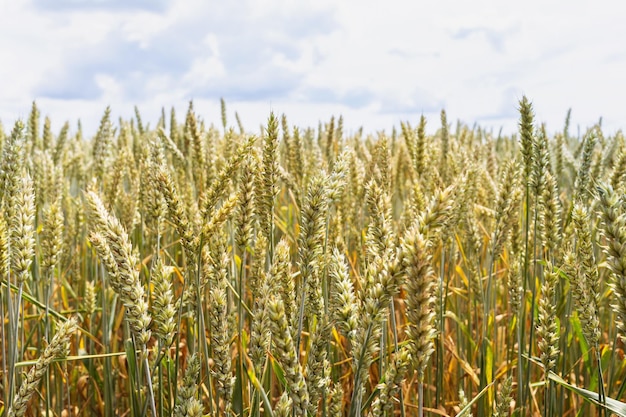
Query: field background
194	268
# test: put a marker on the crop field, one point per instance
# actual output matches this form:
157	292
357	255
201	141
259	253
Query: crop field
198	267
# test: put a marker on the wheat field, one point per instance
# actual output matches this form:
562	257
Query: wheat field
197	268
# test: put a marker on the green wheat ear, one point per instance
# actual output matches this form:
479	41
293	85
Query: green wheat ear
527	136
187	405
56	349
547	323
287	356
420	280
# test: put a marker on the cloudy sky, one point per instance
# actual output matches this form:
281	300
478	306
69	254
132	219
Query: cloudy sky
376	63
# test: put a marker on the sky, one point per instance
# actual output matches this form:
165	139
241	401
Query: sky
375	63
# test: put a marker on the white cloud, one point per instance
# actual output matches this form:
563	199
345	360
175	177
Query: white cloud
376	63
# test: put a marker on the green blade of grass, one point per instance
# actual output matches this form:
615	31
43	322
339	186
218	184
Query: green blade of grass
612	405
